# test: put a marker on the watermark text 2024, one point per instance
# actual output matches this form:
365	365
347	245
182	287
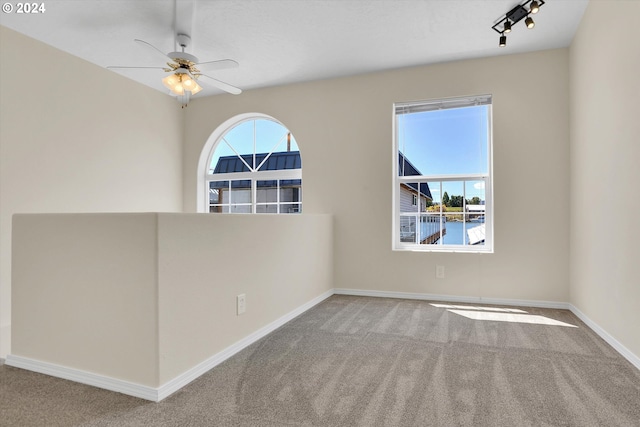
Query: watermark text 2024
24	8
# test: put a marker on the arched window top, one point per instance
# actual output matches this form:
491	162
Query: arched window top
255	144
253	165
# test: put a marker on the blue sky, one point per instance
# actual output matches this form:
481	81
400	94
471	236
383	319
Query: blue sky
446	142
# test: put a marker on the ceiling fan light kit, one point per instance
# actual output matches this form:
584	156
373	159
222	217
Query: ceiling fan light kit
182	82
515	15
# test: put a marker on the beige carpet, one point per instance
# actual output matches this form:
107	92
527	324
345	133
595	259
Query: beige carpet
358	361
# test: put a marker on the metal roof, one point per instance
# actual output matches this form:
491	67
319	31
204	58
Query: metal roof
406	168
276	161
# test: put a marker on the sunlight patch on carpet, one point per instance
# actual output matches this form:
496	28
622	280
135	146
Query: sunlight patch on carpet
471	307
510	317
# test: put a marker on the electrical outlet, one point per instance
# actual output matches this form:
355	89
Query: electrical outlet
241	304
439	271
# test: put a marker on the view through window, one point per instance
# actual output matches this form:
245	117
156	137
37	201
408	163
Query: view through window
255	167
442	193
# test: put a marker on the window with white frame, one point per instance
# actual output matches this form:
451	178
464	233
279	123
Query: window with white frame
442	191
254	167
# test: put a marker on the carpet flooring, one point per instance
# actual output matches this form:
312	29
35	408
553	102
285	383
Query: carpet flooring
360	361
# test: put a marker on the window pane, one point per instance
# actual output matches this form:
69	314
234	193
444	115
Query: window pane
267	191
443	142
453	196
436	193
290	190
475	195
219	208
222	151
431	229
266	208
271	135
240	209
240	191
409	191
241	139
218	192
455	233
291	208
475	234
408	228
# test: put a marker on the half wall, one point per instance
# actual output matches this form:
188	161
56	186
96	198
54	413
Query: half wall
144	303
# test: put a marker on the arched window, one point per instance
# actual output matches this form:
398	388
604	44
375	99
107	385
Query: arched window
253	165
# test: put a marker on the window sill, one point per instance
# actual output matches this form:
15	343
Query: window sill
444	250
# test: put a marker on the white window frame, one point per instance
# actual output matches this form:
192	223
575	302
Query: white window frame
204	163
431	105
254	177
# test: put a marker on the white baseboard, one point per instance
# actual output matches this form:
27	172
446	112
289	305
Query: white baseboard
79	376
624	351
185	378
453	298
160	393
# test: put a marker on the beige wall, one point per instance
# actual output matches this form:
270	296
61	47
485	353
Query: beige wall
605	172
109	144
344	130
85	293
146	297
205	261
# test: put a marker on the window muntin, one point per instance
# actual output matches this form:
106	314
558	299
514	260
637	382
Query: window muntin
255	167
442	157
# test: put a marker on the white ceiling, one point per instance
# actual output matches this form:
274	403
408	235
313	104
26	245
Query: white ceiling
278	42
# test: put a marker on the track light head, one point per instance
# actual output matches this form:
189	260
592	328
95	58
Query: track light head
507	26
503	41
534	7
529	22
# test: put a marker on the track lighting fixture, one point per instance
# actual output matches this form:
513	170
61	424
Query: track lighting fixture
529	22
534	7
522	11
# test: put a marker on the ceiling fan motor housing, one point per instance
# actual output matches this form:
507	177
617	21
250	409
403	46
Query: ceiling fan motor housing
183	40
183	56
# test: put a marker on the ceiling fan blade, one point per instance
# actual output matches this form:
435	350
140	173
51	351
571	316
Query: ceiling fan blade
144	43
222	85
221	64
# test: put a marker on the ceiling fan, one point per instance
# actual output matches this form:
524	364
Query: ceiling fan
185	70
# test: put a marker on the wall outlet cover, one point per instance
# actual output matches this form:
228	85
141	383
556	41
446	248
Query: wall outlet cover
241	304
